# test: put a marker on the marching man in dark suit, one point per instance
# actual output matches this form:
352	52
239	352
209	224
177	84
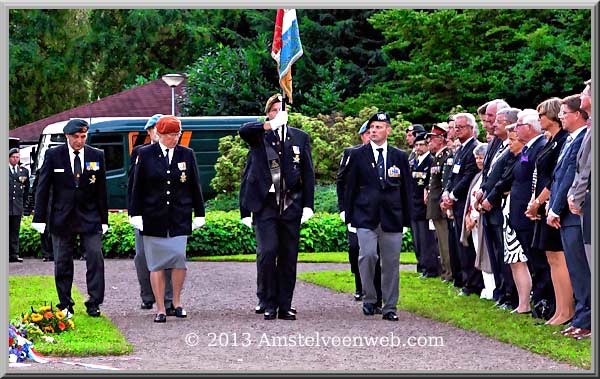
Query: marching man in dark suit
18	187
353	248
141	266
72	186
278	190
378	194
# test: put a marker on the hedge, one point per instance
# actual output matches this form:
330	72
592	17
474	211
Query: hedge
223	234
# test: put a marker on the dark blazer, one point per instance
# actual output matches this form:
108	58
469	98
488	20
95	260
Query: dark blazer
134	154
57	193
498	183
561	182
340	179
489	156
368	204
166	196
459	182
297	169
420	180
521	190
18	189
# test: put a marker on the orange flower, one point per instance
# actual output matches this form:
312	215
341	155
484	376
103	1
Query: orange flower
61	325
48	329
48	315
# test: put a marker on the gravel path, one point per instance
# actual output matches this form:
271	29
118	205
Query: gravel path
219	298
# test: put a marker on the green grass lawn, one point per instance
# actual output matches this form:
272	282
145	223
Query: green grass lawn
339	257
92	335
436	300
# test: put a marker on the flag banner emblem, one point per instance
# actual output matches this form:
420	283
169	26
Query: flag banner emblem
287	47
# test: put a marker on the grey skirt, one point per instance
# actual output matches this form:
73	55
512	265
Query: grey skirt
163	253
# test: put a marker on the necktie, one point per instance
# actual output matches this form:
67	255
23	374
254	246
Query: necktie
565	148
167	157
77	168
380	165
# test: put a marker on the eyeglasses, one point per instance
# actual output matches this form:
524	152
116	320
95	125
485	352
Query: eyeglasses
562	113
460	126
518	124
174	134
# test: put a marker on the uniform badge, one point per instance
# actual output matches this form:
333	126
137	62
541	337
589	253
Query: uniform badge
181	166
22	179
296	149
93	179
274	164
92	166
450	161
182	178
296	159
420	182
393	172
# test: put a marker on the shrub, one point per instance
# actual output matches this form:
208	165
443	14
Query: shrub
223	234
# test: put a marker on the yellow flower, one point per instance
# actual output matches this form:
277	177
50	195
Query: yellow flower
35	317
71	324
26	317
45	308
60	315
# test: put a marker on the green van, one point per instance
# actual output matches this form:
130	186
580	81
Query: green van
117	136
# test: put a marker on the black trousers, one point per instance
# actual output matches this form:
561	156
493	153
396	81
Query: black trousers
14	225
505	290
457	274
63	247
278	240
46	242
353	252
472	278
428	261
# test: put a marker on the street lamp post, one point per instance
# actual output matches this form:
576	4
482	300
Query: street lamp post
173	80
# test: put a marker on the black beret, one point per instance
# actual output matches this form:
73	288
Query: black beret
12	151
419	136
76	125
416	129
379	116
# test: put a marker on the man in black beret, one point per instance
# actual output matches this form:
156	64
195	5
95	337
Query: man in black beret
75	175
18	187
378	194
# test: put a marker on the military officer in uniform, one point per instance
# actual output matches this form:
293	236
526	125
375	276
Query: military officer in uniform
278	192
427	253
72	186
438	147
378	194
141	266
18	188
353	248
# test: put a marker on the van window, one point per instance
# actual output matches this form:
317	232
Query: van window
112	144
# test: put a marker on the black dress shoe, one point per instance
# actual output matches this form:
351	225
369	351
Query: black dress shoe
270	315
180	312
146	305
16	259
259	309
287	315
358	296
93	312
368	309
293	310
160	317
390	316
171	311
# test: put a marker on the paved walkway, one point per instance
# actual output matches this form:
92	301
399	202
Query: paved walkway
219	298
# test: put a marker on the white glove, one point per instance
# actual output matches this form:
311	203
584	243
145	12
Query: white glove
279	120
104	228
351	229
137	222
343	216
404	230
198	222
247	221
306	214
39	226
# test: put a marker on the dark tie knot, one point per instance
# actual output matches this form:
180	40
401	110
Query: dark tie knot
380	149
76	152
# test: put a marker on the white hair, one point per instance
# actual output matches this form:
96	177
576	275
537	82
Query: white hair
534	121
470	118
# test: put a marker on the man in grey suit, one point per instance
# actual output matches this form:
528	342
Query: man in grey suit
579	195
18	187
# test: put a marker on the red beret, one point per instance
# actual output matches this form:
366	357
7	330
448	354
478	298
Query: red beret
168	124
